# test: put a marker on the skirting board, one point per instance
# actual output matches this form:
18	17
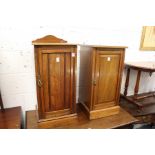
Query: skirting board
94	114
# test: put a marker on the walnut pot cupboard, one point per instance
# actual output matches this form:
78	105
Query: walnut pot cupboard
100	79
55	65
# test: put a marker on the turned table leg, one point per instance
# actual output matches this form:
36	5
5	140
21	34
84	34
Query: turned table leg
127	82
137	84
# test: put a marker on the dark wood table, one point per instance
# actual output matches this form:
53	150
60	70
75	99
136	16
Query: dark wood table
144	99
10	118
144	115
121	120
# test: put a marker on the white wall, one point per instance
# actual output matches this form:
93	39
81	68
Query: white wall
88	22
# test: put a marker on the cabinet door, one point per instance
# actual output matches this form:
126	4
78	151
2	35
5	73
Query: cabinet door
56	75
107	78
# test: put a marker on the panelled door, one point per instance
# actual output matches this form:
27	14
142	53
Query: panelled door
56	69
107	77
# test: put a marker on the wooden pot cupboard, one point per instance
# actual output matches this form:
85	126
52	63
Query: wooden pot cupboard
100	79
55	65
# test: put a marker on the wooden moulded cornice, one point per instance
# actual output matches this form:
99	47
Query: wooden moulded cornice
49	39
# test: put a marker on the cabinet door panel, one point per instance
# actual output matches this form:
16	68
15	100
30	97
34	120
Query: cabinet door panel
56	80
55	73
107	74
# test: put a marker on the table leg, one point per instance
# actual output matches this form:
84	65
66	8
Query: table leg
127	82
137	84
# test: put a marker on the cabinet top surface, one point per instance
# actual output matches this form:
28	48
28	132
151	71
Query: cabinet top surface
72	44
55	44
106	46
10	118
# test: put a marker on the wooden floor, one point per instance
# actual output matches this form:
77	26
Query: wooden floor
119	120
10	118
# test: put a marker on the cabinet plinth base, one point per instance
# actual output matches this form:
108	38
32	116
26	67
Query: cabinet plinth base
104	112
94	114
57	122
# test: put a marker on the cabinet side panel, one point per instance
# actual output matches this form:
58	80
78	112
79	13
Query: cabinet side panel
85	77
74	77
120	75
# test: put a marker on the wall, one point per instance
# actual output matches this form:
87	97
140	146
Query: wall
77	22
